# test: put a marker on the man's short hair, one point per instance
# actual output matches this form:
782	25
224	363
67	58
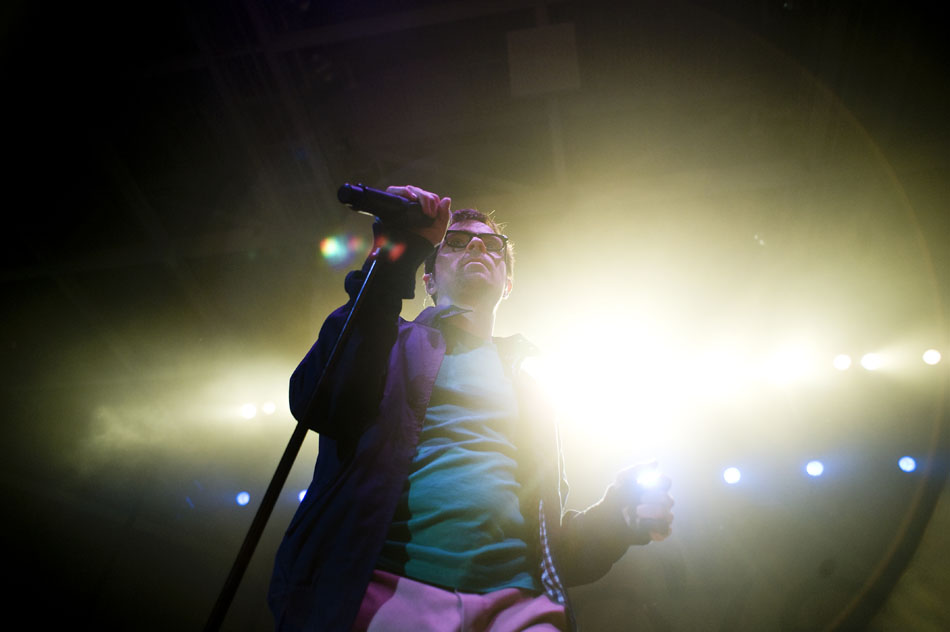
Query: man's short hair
471	214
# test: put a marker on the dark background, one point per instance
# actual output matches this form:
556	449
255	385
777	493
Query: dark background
750	165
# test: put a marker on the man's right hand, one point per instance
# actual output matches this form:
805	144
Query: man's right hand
432	205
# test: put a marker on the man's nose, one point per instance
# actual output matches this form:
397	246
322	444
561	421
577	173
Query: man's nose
477	243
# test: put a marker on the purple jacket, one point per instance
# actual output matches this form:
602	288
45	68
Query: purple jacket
369	424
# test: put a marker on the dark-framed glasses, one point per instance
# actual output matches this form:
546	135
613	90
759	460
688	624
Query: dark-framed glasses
459	239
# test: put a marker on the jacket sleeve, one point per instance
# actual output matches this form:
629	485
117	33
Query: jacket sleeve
354	388
591	541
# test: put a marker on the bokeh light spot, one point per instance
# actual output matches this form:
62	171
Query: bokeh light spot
731	475
815	468
931	356
242	498
871	361
248	411
907	463
842	362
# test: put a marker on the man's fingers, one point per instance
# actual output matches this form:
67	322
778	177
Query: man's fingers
432	204
655	520
654	512
657	497
402	192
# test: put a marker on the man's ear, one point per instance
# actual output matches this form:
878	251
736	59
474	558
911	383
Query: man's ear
429	282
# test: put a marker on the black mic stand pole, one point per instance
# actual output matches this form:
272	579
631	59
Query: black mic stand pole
226	596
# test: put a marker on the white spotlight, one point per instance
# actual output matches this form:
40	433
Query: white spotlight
301	495
242	498
907	463
731	475
248	411
815	468
871	361
842	362
931	356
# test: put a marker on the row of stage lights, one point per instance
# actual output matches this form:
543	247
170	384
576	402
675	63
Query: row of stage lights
815	468
731	475
875	361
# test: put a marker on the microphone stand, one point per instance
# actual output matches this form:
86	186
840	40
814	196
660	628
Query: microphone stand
243	559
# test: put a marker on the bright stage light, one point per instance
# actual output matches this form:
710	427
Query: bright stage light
907	463
842	362
268	408
649	479
791	363
872	361
815	468
731	475
242	498
301	495
248	411
931	356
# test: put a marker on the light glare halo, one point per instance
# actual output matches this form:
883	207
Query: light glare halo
907	464
248	411
815	468
842	362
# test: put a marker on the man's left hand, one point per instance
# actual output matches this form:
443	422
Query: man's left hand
646	503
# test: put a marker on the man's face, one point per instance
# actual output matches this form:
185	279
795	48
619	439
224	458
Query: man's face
471	275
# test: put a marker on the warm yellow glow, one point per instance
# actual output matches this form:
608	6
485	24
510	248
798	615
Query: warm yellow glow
248	411
791	362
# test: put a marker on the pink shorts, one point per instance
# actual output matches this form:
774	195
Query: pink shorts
398	604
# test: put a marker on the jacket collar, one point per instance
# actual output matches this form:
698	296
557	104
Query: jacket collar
512	349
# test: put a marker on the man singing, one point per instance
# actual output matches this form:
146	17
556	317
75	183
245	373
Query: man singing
436	502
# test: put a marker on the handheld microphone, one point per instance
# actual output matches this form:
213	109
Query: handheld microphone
392	210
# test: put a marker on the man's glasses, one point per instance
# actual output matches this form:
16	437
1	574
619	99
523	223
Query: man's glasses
459	239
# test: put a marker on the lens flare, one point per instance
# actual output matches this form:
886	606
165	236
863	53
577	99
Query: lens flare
931	356
341	250
242	498
815	468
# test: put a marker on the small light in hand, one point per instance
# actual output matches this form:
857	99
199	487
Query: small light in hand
649	479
